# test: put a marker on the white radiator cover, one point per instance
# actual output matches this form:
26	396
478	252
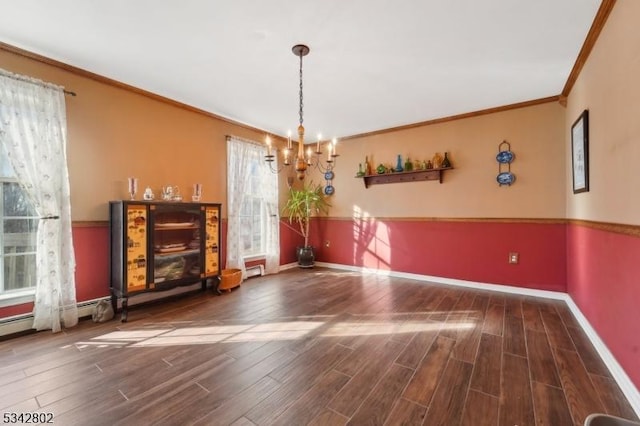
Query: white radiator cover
255	271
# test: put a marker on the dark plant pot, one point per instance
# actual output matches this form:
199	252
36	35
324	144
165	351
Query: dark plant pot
305	257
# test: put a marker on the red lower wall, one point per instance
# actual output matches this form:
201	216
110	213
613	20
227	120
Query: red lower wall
467	250
603	279
91	245
289	240
475	251
10	311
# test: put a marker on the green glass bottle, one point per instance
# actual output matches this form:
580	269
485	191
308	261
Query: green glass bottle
408	165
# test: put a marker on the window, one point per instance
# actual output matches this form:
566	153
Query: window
252	206
18	236
252	212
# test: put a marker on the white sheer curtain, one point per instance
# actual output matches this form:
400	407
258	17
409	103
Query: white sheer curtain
33	130
272	229
241	155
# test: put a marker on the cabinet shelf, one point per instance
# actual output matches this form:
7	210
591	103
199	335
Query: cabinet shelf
176	227
395	177
181	253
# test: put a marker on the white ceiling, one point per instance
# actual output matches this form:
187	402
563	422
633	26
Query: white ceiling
374	64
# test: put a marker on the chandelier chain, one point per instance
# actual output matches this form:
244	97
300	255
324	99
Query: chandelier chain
300	111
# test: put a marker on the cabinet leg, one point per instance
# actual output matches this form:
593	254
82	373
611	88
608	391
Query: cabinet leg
215	284
114	302
124	313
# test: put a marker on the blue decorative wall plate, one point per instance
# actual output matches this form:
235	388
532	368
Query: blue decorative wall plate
328	175
506	178
329	190
505	157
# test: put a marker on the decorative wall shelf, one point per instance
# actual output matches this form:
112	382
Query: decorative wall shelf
413	176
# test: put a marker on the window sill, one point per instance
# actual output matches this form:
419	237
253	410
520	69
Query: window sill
17	298
254	257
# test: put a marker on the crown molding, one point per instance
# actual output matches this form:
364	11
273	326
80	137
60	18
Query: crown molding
594	32
494	110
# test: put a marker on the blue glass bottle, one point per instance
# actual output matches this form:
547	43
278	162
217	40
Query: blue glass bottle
399	164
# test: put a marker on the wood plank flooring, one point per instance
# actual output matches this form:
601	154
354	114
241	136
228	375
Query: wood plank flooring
318	347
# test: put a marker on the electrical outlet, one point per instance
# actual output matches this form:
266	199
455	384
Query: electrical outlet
514	257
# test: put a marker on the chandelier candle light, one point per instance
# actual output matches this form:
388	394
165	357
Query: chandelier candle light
301	162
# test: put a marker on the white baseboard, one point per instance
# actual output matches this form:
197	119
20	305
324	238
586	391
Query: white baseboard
288	266
616	370
451	281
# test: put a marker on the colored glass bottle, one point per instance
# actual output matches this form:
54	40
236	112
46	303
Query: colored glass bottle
446	163
399	164
408	165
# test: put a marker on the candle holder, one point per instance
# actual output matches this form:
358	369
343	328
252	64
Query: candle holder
197	192
133	187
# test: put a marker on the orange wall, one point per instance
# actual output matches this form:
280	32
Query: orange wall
536	135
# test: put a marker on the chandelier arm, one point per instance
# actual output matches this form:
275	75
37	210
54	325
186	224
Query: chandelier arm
318	164
269	159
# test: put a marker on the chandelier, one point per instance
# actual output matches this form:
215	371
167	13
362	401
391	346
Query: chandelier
309	159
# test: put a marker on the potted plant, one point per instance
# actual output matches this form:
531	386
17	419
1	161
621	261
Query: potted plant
300	206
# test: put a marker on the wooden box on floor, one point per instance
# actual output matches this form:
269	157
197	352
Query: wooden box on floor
230	279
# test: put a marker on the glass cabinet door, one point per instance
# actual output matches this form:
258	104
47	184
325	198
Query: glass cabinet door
177	246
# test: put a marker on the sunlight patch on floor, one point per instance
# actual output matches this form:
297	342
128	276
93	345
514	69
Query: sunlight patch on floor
133	335
274	331
373	328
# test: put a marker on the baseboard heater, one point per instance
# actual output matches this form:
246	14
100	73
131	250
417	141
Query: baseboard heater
24	322
255	271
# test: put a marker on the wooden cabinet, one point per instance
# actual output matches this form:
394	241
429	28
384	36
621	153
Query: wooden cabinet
158	246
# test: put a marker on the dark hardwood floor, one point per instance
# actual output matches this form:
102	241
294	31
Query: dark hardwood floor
320	347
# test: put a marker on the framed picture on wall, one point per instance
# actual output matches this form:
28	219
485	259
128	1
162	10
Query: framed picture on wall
580	153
